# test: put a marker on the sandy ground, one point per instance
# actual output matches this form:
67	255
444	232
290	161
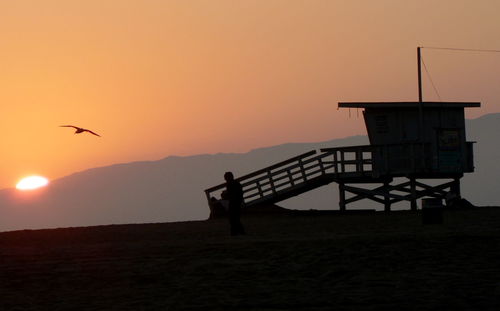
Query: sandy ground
337	262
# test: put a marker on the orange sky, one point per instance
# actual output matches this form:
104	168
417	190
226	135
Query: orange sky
158	78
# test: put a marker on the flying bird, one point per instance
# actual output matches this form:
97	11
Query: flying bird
80	130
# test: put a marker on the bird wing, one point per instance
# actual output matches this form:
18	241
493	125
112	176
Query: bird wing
92	132
75	127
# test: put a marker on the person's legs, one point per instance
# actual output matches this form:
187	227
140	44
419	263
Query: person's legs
234	221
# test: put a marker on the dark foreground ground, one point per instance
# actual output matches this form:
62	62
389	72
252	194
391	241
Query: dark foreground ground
335	262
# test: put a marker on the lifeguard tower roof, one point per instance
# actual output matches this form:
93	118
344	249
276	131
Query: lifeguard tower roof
409	104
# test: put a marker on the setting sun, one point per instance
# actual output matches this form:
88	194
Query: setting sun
32	182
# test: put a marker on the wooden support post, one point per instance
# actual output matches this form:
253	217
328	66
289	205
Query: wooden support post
413	191
271	182
302	170
290	177
341	197
336	163
359	161
321	166
342	162
259	188
387	200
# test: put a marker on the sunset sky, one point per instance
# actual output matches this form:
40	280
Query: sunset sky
158	78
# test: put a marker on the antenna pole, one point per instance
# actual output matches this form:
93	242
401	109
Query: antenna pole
419	66
420	106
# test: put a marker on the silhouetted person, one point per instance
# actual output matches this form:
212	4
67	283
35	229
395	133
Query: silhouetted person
216	208
224	200
234	193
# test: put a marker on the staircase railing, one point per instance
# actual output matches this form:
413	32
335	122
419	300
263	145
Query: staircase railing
287	178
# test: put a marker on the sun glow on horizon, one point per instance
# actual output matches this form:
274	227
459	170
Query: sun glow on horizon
32	183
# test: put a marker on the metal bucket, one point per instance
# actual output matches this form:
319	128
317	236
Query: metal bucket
432	211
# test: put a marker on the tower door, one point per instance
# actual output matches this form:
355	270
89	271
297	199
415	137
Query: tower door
449	150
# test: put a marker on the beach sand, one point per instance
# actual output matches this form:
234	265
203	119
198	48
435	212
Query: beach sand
372	261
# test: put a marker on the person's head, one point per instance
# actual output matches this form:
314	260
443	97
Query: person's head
228	176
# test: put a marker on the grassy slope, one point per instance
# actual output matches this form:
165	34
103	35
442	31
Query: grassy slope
342	262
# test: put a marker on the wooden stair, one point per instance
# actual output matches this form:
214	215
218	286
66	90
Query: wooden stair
303	173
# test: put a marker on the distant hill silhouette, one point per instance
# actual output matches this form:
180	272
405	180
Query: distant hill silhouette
171	189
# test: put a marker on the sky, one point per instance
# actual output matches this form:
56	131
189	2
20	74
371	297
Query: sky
157	78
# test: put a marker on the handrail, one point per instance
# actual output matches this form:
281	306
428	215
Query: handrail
301	163
292	172
348	148
264	169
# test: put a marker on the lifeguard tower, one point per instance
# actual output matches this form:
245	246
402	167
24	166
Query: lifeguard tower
415	141
411	143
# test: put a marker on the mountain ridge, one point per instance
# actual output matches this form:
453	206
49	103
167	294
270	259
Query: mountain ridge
171	189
